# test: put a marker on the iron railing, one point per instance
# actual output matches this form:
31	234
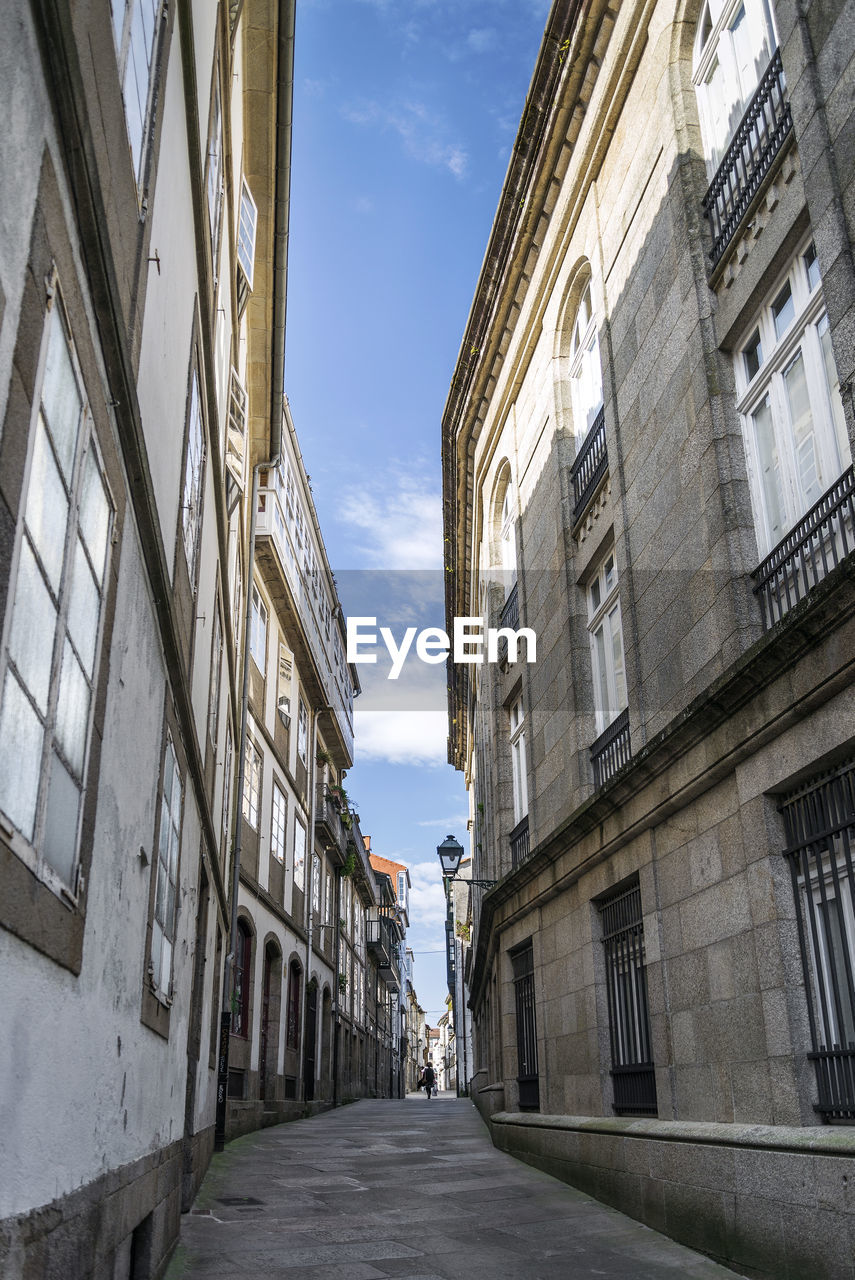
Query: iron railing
519	843
528	1078
611	751
819	818
815	546
633	1075
510	615
591	464
758	139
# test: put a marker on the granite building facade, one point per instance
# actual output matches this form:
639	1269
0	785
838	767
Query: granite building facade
647	453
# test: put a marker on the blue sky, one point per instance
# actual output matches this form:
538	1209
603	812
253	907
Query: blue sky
405	113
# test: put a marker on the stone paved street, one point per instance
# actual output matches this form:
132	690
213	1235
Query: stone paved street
416	1189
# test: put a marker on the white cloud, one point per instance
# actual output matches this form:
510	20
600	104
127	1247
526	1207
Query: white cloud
401	737
421	131
427	897
481	39
457	820
363	204
399	521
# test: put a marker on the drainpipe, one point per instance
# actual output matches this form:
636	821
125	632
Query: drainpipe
284	100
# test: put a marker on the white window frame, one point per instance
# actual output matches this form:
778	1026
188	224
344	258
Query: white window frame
247	227
316	884
823	964
302	733
216	678
214	176
194	470
585	370
138	19
56	583
608	660
260	616
519	763
779	495
299	853
228	762
724	81
251	804
166	864
284	676
278	822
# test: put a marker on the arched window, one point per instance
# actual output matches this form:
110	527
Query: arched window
733	47
240	987
507	537
586	375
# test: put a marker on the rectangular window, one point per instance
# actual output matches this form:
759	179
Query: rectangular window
316	884
216	678
299	854
240	983
303	733
604	627
166	877
51	658
328	900
258	631
227	787
278	822
283	684
246	237
633	1075
135	29
215	169
820	824
518	762
789	404
194	465
252	784
528	1078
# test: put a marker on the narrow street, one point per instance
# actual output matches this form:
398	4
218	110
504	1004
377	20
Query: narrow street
386	1188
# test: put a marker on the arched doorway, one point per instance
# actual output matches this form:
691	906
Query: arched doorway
309	1040
271	1000
326	1044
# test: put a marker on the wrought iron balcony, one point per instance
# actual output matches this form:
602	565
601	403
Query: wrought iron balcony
510	615
591	464
759	138
377	941
817	544
519	843
328	820
611	750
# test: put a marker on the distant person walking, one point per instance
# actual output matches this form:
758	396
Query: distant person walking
428	1079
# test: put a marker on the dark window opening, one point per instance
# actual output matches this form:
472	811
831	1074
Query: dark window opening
633	1075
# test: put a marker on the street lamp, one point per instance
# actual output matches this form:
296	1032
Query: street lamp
450	854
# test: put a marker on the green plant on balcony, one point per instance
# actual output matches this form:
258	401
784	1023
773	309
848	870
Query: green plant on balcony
342	982
350	861
323	756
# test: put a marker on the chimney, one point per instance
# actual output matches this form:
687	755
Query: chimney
366	840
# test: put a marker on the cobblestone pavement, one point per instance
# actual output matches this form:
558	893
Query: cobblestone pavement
414	1189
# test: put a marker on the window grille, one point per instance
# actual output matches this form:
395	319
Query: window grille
527	1077
633	1075
820	824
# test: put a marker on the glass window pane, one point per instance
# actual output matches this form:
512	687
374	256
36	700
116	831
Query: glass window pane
84	606
94	514
617	659
812	266
60	839
770	471
134	115
72	712
165	966
832	384
46	512
61	398
21	735
173	852
160	895
33	628
783	310
753	355
808	471
156	954
604	707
